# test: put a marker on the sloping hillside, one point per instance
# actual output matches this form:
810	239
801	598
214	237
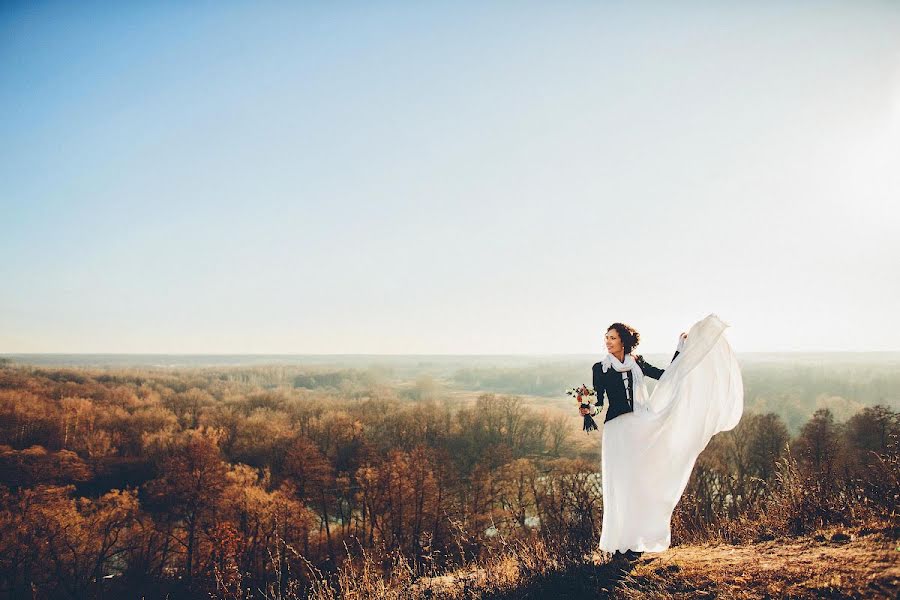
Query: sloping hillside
831	564
834	563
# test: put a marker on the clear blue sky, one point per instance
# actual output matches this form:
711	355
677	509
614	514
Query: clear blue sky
459	177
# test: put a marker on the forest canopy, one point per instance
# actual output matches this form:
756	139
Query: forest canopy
177	481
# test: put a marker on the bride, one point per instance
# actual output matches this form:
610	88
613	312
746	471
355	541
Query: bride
651	441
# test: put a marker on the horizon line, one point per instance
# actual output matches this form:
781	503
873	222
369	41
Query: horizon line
291	354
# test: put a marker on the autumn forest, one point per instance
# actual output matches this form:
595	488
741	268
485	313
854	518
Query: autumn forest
287	480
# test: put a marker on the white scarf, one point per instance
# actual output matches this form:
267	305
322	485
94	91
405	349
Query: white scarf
640	389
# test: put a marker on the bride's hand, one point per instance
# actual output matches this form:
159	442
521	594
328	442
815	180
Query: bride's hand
584	411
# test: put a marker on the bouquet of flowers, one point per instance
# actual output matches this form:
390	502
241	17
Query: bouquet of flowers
582	395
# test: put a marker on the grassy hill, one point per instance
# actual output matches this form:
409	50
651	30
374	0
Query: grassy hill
862	562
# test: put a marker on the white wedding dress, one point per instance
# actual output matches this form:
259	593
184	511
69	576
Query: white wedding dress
648	454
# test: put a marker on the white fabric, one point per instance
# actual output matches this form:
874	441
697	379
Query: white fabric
648	455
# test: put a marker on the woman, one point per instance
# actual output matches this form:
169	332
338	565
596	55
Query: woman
650	442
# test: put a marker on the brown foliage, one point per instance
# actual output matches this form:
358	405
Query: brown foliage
279	489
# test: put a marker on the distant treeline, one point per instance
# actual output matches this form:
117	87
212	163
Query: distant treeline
539	380
336	379
791	385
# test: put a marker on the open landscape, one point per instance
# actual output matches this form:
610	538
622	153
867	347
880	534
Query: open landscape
301	300
409	477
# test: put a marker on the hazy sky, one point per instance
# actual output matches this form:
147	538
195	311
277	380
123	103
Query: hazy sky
459	177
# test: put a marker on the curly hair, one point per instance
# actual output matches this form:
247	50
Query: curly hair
629	335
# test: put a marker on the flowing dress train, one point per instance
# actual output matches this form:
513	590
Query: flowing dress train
648	454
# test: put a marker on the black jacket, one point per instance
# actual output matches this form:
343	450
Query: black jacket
611	383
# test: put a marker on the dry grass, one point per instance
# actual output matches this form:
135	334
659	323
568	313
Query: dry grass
833	563
862	562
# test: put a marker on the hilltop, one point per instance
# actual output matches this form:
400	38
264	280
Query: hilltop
862	562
